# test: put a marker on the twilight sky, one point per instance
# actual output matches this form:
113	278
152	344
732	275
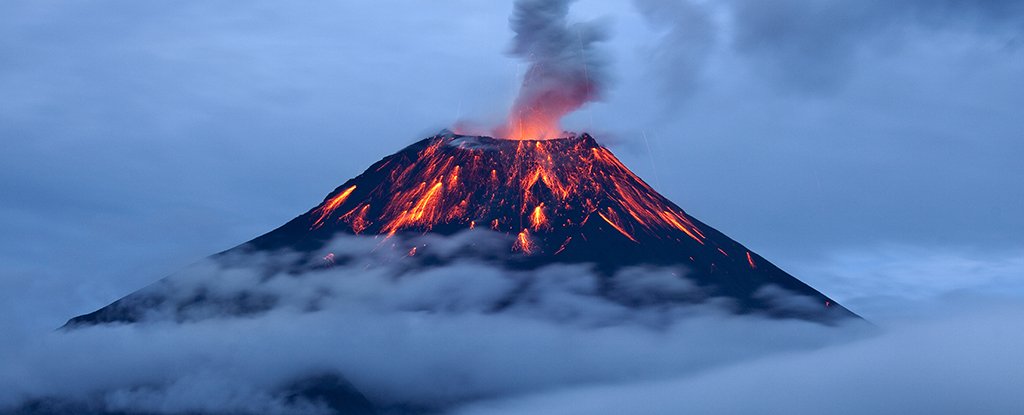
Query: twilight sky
871	148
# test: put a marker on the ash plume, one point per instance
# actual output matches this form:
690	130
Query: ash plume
565	72
687	39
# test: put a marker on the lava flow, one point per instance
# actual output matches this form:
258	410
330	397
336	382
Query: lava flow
557	198
564	200
559	201
532	189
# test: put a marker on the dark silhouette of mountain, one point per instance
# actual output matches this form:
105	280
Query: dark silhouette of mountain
565	200
560	201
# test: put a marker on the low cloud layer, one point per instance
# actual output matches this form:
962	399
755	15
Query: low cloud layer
404	337
965	363
412	337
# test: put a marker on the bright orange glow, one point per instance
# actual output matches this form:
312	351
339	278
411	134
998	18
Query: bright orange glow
453	179
537	218
523	242
617	227
424	210
750	260
533	127
328	208
673	219
359	222
540	106
532	189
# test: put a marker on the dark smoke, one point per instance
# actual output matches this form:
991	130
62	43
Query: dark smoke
566	70
687	39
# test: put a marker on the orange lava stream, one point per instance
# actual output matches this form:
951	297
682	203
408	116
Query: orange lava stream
359	221
328	208
523	242
424	210
617	227
526	188
537	218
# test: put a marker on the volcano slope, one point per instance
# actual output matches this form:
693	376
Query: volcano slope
559	201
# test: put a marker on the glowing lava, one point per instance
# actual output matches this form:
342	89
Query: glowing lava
529	189
328	208
537	218
561	201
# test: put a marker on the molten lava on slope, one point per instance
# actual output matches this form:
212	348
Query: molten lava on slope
557	201
532	188
565	200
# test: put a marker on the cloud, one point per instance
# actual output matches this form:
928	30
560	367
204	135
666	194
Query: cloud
807	46
404	336
688	36
814	46
431	332
892	281
967	363
413	337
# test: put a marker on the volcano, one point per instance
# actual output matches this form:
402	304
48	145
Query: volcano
559	201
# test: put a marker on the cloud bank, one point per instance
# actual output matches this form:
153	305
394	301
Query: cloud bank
409	337
967	363
405	337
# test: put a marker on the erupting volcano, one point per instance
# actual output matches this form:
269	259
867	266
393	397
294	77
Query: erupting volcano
566	200
559	198
546	193
523	232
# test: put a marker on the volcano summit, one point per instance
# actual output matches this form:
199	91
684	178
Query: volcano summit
559	201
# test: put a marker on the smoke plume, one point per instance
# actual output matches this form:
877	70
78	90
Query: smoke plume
565	69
